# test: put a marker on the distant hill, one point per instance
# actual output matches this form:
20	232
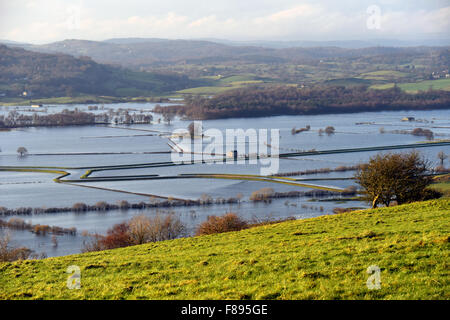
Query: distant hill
44	75
172	64
144	52
349	44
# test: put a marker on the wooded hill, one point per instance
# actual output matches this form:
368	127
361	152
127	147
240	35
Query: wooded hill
44	75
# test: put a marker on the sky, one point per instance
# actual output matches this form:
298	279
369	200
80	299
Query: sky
43	21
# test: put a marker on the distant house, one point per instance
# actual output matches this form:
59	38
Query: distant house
408	119
36	105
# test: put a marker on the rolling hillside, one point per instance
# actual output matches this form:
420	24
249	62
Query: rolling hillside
210	62
320	258
142	52
43	75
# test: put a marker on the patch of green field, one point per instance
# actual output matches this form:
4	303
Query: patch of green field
414	87
240	77
319	258
348	82
383	74
85	99
382	86
245	82
443	187
65	100
205	90
441	84
223	84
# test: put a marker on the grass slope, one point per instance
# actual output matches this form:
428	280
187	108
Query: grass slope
320	258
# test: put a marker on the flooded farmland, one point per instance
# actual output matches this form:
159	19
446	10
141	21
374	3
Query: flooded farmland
81	147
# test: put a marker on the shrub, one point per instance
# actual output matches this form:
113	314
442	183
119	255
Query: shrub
138	230
124	204
117	237
329	130
263	194
225	223
102	205
143	229
79	207
95	244
8	254
423	132
430	194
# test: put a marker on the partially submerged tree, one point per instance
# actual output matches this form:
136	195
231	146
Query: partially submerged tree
191	129
168	117
22	151
8	253
442	157
329	130
401	177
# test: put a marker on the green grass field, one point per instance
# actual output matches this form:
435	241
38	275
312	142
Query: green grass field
81	100
221	84
319	258
414	87
64	100
383	75
443	187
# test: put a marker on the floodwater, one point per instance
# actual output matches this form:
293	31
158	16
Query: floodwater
89	146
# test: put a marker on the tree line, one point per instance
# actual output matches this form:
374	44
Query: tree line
66	117
284	100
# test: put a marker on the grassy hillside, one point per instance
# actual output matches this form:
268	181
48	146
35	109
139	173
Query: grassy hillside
320	258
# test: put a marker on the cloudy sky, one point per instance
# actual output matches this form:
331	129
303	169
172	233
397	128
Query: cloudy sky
41	21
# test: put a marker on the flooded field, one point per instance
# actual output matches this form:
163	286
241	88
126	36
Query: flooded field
81	147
